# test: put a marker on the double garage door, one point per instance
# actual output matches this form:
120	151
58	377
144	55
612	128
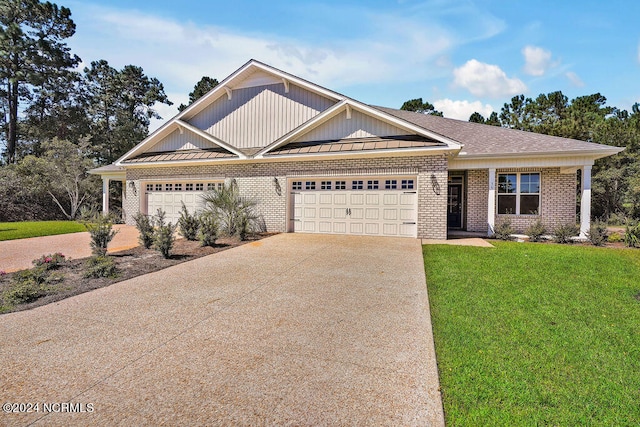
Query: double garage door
369	206
169	197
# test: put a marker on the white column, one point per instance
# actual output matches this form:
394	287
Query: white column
491	202
105	195
124	197
585	202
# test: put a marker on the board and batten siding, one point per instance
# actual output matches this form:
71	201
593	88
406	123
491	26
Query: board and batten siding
358	126
181	141
256	116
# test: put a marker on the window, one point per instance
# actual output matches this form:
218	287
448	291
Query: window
341	185
296	185
310	185
390	184
168	187
220	185
325	185
372	185
356	185
158	187
211	186
149	187
199	186
407	184
178	187
188	187
518	193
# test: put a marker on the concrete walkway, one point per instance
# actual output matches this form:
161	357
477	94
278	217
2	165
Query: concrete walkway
18	254
291	330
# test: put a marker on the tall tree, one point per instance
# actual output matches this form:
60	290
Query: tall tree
120	106
32	52
199	90
419	106
476	118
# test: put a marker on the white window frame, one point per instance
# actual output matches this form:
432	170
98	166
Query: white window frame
518	194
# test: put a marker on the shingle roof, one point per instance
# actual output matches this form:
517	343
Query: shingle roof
480	140
357	144
213	153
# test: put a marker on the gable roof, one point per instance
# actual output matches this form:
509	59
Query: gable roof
480	140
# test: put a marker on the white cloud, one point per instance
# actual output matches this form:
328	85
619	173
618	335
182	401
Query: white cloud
462	110
574	79
487	80
537	60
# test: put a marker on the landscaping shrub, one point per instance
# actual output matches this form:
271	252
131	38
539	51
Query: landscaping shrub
163	237
101	231
236	214
598	234
562	233
503	229
50	262
536	230
100	266
188	224
29	285
208	230
632	235
615	237
144	224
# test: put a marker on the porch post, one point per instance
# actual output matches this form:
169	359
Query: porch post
105	195
491	202
124	197
585	202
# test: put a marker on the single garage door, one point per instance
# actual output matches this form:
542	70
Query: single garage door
169	196
368	206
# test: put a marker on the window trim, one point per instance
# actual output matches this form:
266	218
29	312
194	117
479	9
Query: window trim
518	194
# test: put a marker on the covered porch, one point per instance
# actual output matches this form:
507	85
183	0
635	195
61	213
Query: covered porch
109	175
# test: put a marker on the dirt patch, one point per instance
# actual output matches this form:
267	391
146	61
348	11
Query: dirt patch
130	262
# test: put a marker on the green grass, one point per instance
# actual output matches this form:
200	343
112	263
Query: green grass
21	230
536	334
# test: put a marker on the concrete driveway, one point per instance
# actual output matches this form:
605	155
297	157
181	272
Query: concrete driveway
18	254
290	330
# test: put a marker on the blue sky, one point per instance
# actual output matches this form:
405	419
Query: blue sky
462	56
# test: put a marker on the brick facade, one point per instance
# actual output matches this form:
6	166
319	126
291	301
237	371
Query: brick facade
267	182
557	204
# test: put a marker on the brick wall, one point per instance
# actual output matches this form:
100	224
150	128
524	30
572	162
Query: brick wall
557	204
258	180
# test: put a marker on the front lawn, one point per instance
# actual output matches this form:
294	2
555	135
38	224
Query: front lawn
536	334
21	230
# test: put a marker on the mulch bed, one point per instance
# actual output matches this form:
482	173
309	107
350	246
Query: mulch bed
131	263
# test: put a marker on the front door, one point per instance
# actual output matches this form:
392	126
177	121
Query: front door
454	206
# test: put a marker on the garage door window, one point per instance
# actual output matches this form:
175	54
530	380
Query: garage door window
178	187
341	185
390	184
325	185
296	185
188	187
168	187
407	184
356	185
372	185
310	185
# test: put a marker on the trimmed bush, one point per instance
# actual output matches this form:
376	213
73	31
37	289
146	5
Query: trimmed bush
188	224
615	237
29	285
562	233
598	233
632	235
536	230
100	266
144	224
163	238
503	229
49	262
101	231
208	230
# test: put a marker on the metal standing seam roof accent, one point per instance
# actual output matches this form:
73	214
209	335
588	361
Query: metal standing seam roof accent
360	144
181	155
